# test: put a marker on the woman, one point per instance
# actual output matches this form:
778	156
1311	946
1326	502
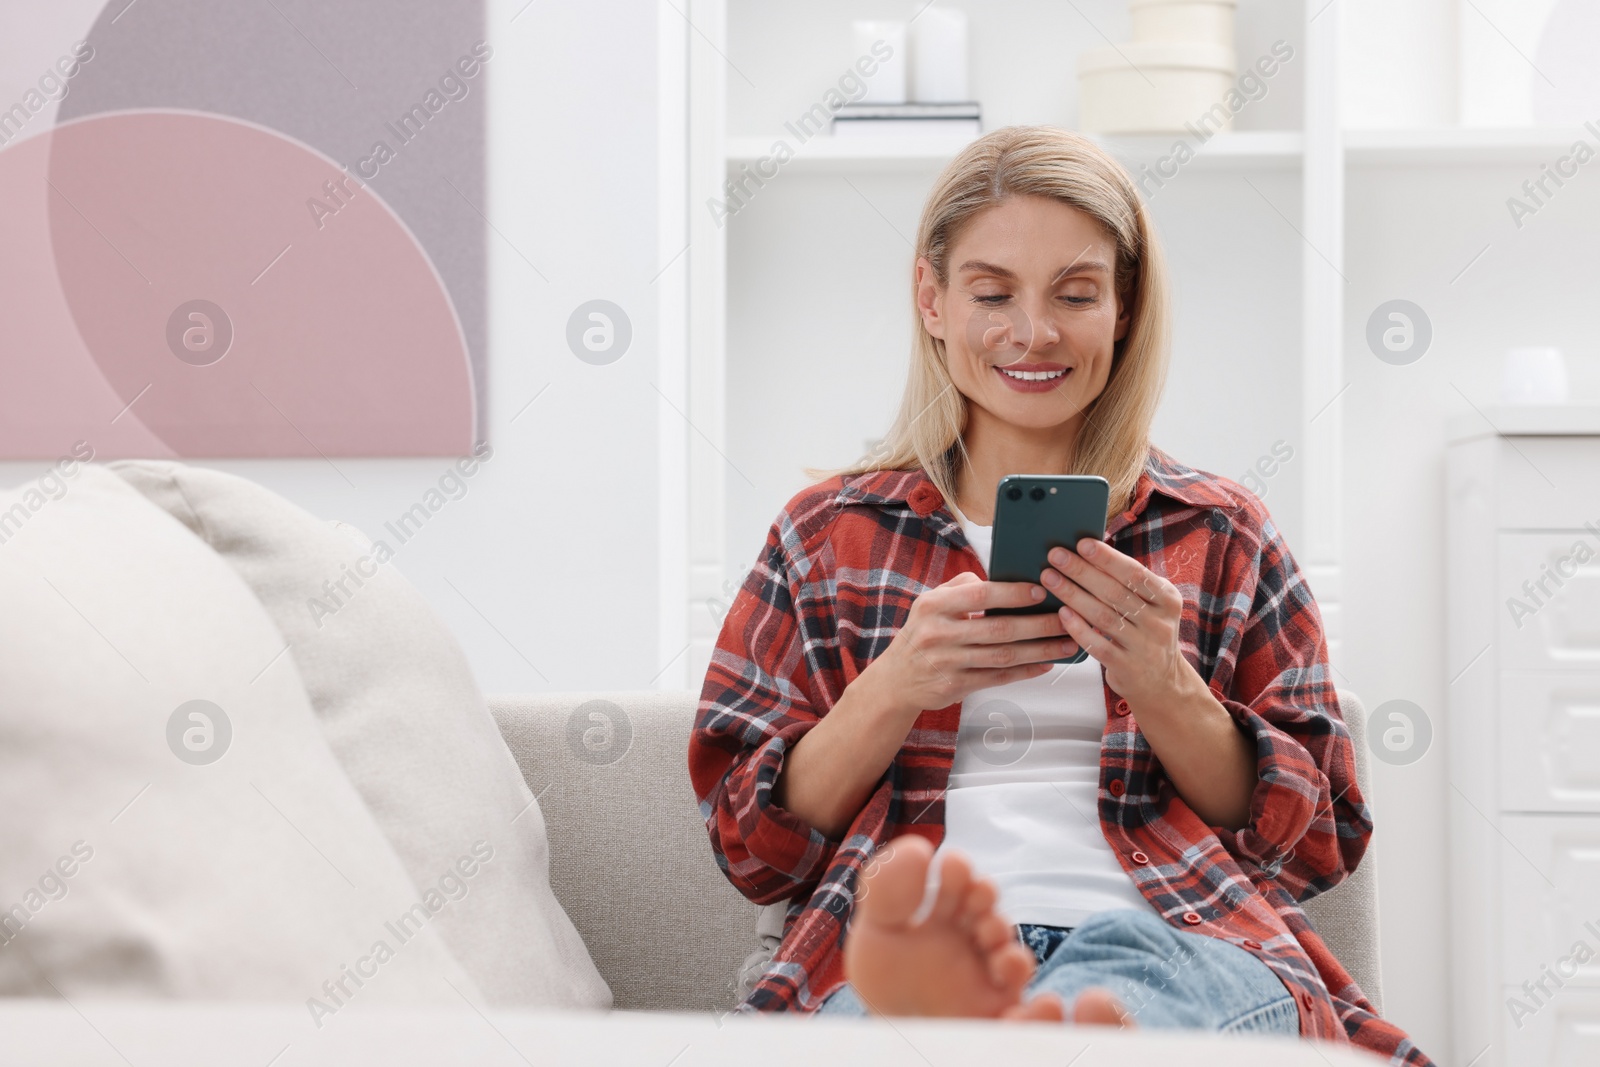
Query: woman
1183	788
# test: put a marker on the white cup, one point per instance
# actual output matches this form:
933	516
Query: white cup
1197	21
1534	375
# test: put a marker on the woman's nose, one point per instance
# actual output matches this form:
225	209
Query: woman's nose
1045	334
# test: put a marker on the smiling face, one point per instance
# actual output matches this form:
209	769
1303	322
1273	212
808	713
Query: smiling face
1030	317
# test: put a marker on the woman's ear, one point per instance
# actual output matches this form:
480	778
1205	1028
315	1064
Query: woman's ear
1124	318
930	298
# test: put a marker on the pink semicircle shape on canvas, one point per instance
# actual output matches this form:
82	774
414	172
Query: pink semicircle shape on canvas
228	316
54	399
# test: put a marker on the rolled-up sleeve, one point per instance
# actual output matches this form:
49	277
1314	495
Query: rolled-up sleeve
755	705
1309	824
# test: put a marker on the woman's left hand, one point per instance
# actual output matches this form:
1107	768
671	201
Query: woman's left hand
1126	616
1129	618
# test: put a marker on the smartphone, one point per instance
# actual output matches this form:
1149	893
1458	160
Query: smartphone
1034	513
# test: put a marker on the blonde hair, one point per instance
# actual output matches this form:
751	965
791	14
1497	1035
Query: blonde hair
1051	162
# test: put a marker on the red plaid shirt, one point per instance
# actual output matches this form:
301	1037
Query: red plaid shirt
842	564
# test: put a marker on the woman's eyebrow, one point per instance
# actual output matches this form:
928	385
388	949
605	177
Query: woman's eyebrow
1081	266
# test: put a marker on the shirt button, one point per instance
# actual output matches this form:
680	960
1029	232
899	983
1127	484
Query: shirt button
925	499
1117	788
1252	944
1140	858
1192	918
1122	707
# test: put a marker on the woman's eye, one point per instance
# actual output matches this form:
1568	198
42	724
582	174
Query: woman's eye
991	300
1080	300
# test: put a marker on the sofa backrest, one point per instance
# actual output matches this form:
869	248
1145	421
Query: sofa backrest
629	856
630	861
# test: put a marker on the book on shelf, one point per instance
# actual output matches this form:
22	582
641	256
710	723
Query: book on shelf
855	120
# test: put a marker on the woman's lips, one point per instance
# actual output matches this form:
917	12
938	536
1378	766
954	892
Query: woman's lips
1041	377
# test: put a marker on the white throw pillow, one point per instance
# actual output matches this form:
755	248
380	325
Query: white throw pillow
155	846
401	709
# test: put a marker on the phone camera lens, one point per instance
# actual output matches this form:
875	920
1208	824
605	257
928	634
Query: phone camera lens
1037	493
1013	493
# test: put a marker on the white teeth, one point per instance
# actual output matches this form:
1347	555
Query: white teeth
1032	376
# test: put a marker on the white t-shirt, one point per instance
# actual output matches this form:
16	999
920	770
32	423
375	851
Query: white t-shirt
1022	800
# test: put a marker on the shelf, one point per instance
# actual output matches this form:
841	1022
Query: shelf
824	152
1231	150
1528	420
891	152
1449	146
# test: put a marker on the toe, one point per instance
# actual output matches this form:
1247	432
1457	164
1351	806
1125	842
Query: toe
1010	966
893	884
990	931
982	896
955	879
1097	1007
1046	1007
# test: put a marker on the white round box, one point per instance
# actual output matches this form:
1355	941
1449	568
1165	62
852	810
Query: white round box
1196	21
1154	87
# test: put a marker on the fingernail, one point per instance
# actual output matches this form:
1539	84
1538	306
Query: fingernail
1088	547
1036	592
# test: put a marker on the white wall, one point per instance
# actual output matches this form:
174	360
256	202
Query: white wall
554	547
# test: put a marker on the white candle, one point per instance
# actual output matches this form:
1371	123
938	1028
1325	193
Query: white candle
939	57
886	84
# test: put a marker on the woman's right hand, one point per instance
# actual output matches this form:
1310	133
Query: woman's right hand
943	652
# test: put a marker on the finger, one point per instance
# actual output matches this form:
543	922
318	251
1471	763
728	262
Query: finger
1001	657
993	676
1132	575
980	596
1102	616
1005	629
1096	579
1093	641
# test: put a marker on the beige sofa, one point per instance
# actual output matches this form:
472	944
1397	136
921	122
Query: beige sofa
234	882
630	861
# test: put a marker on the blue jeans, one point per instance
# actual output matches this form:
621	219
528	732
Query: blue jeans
1165	977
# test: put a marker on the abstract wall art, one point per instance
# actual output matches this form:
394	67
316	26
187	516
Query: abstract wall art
248	229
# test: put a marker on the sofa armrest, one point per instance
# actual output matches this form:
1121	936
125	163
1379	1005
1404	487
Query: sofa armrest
1347	915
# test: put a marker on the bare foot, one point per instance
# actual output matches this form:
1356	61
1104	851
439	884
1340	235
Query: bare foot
962	960
1097	1007
1094	1007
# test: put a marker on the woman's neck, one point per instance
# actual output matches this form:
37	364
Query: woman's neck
996	449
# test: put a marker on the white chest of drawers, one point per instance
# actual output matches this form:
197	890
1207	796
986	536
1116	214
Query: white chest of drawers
1523	694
